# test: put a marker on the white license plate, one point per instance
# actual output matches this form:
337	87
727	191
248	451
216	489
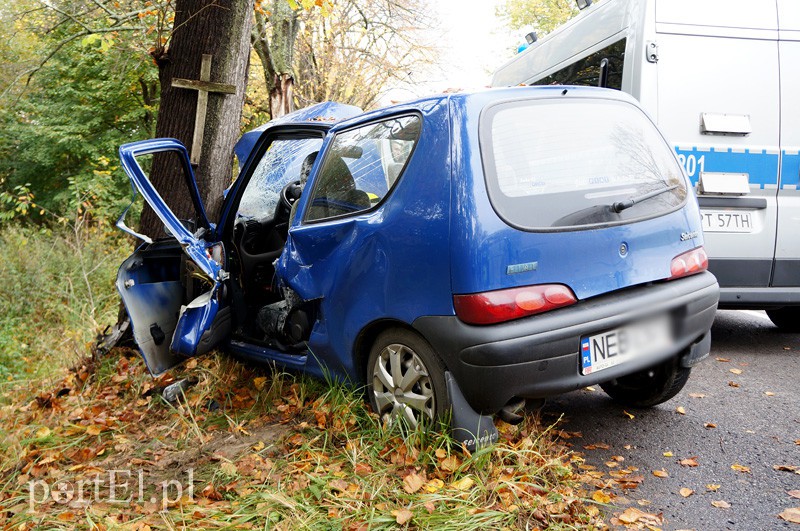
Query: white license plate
610	348
727	221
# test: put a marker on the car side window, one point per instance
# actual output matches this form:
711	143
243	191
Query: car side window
361	167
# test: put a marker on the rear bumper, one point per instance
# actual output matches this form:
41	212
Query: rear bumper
539	356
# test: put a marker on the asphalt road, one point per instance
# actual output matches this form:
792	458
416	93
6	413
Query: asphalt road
757	418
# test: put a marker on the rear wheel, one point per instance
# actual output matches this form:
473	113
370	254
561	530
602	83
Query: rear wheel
649	387
787	319
405	379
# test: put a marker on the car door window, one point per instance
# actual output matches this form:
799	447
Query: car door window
285	161
361	167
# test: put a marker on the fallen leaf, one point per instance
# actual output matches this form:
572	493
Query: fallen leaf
590	389
685	492
412	483
710	425
720	504
464	483
632	515
736	371
618	458
597	446
601	497
667	454
628	415
94	430
712	487
680	410
733	384
434	485
723	360
228	468
740	468
787	468
697	395
42	432
258	446
643	502
441	453
769	393
794	493
362	469
791	515
690	462
660	473
403	516
430	507
259	383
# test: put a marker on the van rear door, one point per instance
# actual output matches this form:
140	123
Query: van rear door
718	103
787	249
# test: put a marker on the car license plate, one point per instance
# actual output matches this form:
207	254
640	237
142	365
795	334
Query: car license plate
727	221
610	348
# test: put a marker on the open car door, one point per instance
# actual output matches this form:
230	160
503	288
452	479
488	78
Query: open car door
173	287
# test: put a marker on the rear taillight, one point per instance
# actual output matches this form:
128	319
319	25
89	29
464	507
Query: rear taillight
504	305
689	263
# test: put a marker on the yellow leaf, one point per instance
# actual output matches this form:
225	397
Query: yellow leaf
660	473
601	497
791	515
260	382
740	468
412	483
42	432
228	468
720	504
686	492
723	360
434	485
441	453
691	462
403	516
464	483
712	487
628	415
94	430
680	410
259	446
667	454
736	371
769	393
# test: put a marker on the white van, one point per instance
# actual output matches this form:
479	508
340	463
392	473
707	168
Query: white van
722	80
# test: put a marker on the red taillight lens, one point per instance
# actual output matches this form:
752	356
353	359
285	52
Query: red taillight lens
504	305
689	263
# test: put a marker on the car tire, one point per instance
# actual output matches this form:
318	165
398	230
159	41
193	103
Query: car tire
786	319
649	387
405	378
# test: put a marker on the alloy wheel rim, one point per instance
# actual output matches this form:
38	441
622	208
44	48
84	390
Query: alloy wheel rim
402	386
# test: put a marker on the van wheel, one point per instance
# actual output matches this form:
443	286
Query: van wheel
649	387
405	379
786	319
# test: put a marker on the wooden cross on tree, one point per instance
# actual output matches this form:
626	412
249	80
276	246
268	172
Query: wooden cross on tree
203	87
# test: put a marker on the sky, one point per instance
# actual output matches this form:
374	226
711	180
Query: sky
473	43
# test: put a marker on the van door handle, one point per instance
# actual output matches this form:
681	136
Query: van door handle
736	202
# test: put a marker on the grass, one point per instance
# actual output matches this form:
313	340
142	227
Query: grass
252	448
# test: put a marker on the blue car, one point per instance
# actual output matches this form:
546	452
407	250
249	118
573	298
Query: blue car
456	255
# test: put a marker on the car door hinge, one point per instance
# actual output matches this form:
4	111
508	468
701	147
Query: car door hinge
651	51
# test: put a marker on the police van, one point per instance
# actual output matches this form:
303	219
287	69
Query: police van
722	81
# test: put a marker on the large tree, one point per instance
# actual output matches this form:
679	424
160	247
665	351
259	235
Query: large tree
220	28
543	16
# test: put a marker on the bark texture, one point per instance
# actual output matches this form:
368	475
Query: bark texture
221	28
275	49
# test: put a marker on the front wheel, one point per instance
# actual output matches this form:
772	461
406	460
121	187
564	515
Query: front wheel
786	319
649	387
405	380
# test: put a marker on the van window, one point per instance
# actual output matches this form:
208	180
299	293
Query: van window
586	71
552	165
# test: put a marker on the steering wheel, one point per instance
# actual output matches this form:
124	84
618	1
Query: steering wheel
290	194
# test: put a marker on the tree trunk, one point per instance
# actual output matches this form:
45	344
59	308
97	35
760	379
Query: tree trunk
220	28
277	55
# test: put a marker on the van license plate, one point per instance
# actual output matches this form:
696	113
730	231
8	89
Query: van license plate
610	348
727	221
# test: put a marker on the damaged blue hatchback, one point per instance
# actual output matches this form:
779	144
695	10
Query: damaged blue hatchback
457	254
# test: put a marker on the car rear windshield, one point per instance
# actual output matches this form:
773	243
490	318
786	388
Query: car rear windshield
558	165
